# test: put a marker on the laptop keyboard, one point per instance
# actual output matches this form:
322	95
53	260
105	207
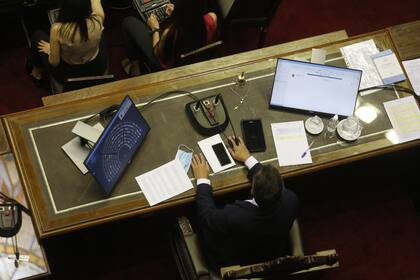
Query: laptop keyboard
160	13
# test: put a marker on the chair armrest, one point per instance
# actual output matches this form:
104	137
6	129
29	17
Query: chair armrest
193	247
90	78
295	240
322	267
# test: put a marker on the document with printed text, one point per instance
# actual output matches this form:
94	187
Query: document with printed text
388	67
412	67
291	143
164	182
404	115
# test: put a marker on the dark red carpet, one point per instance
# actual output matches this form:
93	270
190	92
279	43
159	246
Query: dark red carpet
375	233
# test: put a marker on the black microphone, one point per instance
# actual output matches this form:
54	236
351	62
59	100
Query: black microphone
216	100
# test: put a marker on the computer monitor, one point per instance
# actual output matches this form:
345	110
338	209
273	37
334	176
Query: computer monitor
117	145
315	88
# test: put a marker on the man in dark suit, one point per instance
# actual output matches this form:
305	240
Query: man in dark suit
246	231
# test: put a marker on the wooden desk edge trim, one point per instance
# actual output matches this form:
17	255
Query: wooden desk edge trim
35	216
4	141
401	28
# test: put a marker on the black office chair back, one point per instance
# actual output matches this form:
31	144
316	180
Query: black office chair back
201	54
8	7
249	14
253	13
190	259
281	266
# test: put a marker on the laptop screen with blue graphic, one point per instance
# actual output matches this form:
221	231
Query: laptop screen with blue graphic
117	145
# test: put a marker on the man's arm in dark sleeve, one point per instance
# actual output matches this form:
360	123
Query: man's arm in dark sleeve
209	215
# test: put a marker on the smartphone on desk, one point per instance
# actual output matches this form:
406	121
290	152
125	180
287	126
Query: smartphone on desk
221	154
252	131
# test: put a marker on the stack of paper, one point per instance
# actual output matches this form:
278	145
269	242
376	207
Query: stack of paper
358	56
388	67
164	182
404	115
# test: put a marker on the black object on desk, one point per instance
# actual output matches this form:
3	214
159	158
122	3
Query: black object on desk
253	133
209	115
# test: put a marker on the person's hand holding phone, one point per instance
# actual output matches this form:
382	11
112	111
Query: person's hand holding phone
238	150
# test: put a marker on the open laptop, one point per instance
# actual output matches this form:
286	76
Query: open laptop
147	7
315	88
117	145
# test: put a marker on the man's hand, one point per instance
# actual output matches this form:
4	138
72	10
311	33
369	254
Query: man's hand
200	167
44	47
238	151
169	9
152	22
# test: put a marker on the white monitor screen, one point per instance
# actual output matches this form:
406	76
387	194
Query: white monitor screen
315	88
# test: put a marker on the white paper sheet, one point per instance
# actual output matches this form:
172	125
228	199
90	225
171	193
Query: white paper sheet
404	115
388	67
164	182
90	133
206	147
291	143
412	67
77	153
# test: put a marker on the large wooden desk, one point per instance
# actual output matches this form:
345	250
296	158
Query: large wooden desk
63	200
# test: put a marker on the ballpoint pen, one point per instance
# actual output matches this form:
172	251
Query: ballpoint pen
306	151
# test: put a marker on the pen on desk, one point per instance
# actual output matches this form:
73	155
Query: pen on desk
306	151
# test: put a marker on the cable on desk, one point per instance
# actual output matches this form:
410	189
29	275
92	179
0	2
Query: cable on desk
393	87
165	94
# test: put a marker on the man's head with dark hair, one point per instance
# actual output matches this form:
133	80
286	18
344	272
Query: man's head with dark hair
267	187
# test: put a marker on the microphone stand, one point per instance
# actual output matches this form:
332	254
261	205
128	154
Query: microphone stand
12	203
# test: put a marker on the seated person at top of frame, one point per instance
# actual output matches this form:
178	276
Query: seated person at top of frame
249	231
73	47
187	29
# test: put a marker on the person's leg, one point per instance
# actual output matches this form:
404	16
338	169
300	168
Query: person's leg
39	60
138	42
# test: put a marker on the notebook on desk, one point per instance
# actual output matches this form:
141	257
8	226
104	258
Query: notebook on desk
315	88
147	7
